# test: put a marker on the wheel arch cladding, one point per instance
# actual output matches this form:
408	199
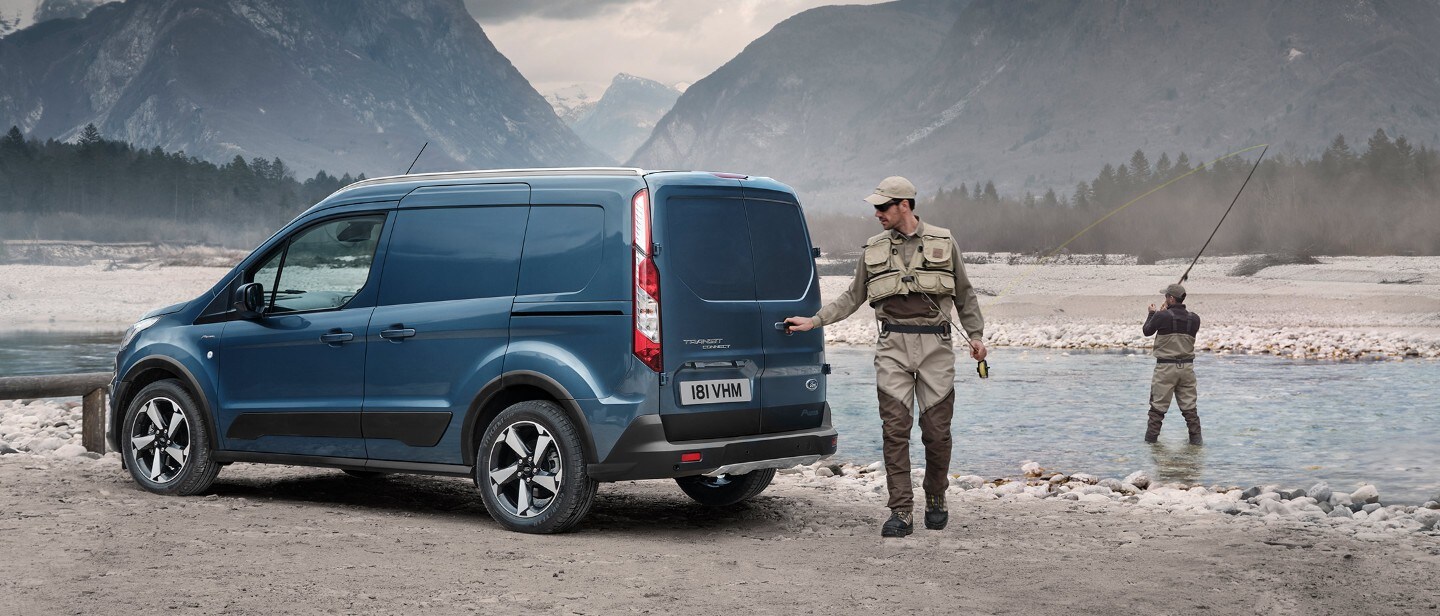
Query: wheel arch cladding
512	388
159	368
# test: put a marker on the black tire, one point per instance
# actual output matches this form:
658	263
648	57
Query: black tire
364	474
726	489
166	442
544	491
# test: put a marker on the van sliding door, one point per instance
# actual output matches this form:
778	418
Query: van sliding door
442	322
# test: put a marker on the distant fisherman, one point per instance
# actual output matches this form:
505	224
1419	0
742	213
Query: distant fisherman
913	276
1174	329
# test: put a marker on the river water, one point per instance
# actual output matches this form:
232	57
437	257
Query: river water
1267	419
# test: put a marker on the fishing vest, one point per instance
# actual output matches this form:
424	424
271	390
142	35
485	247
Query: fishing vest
930	270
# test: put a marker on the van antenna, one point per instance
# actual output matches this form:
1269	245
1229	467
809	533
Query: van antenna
417	158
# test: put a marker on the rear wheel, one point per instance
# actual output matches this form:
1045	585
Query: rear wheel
726	489
530	469
165	441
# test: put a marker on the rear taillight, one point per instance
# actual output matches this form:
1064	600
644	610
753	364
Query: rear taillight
646	307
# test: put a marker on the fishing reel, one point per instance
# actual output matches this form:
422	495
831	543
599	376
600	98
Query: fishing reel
982	368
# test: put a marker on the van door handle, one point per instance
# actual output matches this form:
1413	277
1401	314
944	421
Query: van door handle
336	338
397	334
782	326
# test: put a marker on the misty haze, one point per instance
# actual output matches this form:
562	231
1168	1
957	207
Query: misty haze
1085	155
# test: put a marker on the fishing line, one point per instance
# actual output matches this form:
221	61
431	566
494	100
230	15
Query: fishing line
1031	269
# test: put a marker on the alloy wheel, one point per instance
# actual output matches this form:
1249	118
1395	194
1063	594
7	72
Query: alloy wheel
160	440
525	469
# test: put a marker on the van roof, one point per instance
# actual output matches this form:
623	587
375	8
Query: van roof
395	186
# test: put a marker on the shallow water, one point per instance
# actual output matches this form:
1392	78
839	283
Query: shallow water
30	353
1266	419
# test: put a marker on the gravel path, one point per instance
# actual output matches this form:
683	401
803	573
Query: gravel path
78	537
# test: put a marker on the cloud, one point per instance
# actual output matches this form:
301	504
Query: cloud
501	11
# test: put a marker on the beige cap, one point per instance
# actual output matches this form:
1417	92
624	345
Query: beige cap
1176	291
893	187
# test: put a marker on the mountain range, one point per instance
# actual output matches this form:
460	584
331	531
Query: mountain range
624	116
1030	94
1038	94
341	85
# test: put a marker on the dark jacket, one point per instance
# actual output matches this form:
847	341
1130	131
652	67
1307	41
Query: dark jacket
1174	329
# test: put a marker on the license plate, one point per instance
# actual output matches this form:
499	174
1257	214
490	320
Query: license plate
715	392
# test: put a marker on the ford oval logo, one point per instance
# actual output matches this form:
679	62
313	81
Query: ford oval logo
812	384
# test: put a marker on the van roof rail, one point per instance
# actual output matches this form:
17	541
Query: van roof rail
495	173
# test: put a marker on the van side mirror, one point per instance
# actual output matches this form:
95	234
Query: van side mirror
249	300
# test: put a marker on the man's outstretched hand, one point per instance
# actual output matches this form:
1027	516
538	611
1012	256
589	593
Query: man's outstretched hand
799	324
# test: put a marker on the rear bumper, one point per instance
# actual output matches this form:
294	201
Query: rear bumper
642	452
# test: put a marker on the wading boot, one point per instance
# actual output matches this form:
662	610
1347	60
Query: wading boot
899	525
1192	422
936	517
1152	430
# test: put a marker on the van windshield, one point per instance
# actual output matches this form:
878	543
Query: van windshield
738	250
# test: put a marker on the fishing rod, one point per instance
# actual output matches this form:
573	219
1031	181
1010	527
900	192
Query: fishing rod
1186	275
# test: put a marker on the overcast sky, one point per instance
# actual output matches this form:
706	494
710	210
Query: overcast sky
560	43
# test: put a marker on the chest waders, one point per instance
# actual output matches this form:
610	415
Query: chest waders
914	361
1175	377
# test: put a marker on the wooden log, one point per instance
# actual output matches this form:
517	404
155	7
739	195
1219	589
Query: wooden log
92	430
53	385
92	386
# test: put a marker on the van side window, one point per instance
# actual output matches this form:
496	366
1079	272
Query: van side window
562	248
322	267
452	253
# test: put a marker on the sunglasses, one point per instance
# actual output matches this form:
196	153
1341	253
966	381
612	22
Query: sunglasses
885	207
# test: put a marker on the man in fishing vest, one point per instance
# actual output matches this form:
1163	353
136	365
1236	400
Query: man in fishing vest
913	276
1174	329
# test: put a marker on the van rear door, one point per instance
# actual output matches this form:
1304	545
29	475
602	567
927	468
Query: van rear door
720	298
709	320
786	285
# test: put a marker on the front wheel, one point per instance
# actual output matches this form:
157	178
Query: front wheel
726	489
530	468
165	443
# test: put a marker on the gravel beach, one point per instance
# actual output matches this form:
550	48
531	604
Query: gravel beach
80	537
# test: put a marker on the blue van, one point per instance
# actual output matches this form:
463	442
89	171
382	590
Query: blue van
539	331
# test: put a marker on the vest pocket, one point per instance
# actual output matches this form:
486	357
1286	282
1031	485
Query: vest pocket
883	286
935	283
937	252
876	257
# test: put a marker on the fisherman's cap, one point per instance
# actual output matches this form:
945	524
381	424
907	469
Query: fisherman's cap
1176	291
893	187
